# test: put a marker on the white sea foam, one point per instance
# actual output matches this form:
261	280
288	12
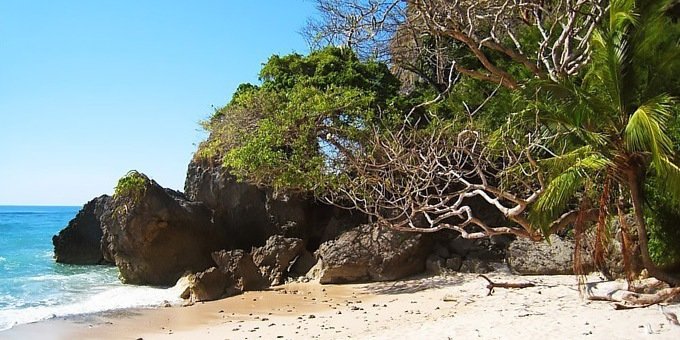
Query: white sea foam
112	299
2	259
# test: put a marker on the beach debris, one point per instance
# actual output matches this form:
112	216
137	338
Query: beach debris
449	298
625	299
493	285
670	316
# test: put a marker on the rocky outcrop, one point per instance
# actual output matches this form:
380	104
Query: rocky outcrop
154	235
235	273
237	207
276	256
207	285
251	215
368	253
81	241
302	264
529	257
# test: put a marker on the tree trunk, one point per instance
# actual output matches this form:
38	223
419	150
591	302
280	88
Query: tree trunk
635	184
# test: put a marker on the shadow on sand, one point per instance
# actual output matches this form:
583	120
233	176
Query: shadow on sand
414	284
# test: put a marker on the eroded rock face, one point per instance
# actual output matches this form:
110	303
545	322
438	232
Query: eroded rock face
154	235
242	270
207	285
529	257
368	253
276	256
81	241
235	273
251	215
238	207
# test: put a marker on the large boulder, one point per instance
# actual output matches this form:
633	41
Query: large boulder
243	273
154	235
81	241
251	215
370	253
238	207
529	257
235	273
207	285
276	256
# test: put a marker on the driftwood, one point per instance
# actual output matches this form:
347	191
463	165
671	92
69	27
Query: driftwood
627	300
620	306
670	316
493	285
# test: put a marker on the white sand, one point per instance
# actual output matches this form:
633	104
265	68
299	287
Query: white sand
409	309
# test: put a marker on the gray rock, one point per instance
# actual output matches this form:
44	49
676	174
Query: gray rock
441	251
275	257
207	285
454	263
235	273
243	273
435	264
81	241
302	264
251	215
154	235
528	257
368	253
460	246
476	265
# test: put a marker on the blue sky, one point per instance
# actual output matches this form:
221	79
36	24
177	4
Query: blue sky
92	89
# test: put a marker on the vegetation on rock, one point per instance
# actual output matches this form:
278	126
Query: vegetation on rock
131	185
553	116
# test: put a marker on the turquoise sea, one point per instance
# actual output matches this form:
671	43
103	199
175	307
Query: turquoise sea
34	287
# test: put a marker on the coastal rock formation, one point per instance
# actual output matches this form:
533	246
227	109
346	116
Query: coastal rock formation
154	235
276	256
528	257
251	215
556	257
242	271
302	264
238	207
368	253
235	273
81	241
207	285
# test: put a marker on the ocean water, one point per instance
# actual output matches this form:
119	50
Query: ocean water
34	287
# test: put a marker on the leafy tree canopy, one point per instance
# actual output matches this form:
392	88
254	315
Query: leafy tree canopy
291	131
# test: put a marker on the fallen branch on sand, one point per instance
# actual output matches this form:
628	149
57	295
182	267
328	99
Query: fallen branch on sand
493	285
626	300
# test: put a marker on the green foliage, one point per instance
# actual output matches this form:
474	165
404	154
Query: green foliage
329	67
309	112
563	188
619	110
133	185
662	215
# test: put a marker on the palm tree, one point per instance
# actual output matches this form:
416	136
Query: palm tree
618	114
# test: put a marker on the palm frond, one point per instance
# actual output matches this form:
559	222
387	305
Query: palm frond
669	173
621	14
562	189
560	163
580	112
646	128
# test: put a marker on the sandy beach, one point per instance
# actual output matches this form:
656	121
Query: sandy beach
454	306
